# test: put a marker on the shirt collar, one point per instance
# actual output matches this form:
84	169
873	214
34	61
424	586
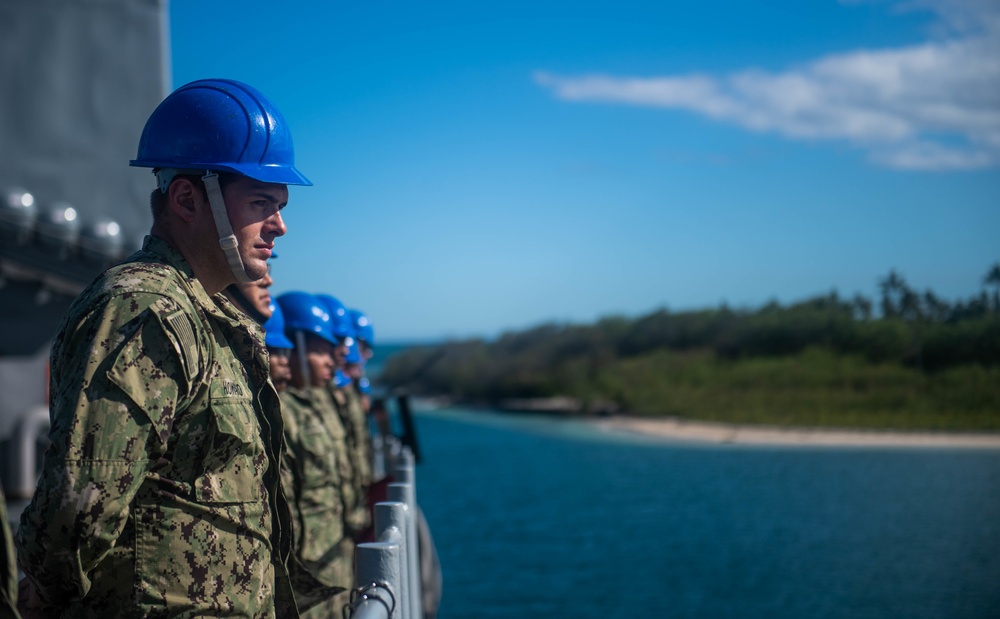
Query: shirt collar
217	305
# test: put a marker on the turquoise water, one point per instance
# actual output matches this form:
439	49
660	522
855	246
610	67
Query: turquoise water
536	517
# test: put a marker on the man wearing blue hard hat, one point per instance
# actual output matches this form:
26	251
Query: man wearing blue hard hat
279	349
357	516
254	298
316	467
354	407
160	494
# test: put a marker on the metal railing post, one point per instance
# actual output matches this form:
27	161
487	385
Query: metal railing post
380	567
404	493
406	474
406	458
377	565
395	526
24	455
378	457
390	518
393	452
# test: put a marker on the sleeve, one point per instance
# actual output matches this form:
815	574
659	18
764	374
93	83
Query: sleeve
290	480
117	381
8	569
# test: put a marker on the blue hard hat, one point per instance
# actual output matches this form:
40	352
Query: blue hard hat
338	313
221	125
274	329
340	379
304	312
363	329
353	352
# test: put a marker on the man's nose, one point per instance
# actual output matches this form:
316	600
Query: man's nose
276	225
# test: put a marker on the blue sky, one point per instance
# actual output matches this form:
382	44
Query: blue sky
482	167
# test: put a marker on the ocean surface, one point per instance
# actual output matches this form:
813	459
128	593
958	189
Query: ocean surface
540	517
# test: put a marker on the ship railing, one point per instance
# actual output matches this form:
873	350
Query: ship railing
387	573
22	458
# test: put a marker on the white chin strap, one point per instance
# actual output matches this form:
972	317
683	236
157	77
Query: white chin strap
227	240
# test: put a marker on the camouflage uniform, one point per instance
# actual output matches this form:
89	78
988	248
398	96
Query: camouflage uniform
8	569
355	421
312	468
159	495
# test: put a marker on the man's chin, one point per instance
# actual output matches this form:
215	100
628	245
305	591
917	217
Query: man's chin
255	269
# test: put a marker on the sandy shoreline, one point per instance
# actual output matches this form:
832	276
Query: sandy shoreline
704	432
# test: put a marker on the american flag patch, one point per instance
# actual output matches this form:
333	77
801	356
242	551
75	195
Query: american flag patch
181	327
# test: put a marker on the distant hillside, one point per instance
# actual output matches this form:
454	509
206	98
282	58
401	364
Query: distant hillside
383	351
827	361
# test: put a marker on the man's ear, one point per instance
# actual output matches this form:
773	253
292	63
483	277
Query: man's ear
183	199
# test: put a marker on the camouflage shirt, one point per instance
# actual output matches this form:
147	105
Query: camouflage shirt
355	421
8	569
159	496
312	470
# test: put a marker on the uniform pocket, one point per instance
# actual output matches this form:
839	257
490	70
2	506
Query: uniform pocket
235	464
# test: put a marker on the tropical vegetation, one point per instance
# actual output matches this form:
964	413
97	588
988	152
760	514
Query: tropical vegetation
905	360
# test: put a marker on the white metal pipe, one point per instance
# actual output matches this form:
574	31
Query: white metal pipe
406	459
405	474
392	453
23	457
390	524
378	457
377	568
404	493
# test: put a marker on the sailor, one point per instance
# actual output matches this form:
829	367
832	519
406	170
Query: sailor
357	395
279	348
364	334
254	298
159	495
314	465
357	444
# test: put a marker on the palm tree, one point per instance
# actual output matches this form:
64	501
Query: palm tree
909	306
862	307
993	279
935	308
893	290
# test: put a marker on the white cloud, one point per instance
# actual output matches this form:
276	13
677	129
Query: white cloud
932	106
963	16
933	156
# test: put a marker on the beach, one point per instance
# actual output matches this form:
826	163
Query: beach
672	428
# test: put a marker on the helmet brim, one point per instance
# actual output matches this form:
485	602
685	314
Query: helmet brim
277	340
285	175
282	175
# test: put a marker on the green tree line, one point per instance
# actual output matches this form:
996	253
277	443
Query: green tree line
906	359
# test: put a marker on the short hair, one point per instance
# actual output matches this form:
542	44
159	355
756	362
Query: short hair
158	199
